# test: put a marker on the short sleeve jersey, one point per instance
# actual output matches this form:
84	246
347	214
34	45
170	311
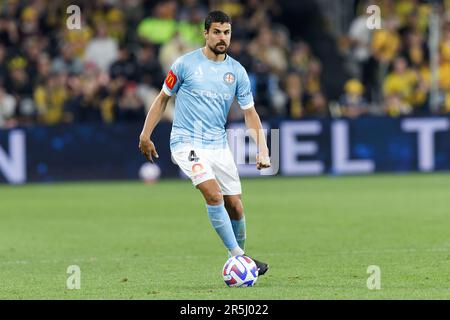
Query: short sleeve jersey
205	90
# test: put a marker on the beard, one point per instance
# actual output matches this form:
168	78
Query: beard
217	51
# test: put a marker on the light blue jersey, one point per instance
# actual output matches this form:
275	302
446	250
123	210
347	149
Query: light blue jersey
205	91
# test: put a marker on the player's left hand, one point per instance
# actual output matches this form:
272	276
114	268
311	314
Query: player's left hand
262	161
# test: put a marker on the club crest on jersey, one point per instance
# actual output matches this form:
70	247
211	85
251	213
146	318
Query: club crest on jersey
229	78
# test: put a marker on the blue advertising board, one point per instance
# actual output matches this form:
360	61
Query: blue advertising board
304	147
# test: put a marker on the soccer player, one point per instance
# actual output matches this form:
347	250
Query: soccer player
206	81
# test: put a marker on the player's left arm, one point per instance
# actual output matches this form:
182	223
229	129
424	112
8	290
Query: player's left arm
253	123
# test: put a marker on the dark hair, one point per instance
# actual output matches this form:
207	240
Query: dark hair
216	16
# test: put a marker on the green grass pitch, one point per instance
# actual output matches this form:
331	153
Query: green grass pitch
137	241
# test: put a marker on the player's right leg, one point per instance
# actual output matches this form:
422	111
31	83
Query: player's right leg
198	169
227	177
218	215
220	219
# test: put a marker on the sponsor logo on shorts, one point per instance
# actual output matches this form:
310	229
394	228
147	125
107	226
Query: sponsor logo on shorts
199	176
198	171
197	167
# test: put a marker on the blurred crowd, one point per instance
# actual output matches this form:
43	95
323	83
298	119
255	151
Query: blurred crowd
390	67
112	68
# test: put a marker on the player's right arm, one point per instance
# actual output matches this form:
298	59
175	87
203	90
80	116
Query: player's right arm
154	115
171	85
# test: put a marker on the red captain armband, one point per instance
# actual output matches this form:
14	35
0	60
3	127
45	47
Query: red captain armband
171	80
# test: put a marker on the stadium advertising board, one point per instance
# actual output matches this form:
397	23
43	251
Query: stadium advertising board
306	147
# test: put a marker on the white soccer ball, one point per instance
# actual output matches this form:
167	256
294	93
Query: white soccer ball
149	172
240	271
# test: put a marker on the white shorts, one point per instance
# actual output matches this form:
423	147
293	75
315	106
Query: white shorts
206	164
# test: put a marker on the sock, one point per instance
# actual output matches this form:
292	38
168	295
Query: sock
220	221
239	231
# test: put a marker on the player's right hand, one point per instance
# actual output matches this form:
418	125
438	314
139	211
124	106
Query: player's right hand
147	148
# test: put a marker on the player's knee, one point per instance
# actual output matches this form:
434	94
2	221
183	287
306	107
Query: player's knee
238	212
235	210
214	198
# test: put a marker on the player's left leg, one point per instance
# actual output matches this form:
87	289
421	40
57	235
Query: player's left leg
228	178
235	210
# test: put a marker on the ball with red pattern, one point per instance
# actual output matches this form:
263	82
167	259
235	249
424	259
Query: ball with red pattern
240	271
